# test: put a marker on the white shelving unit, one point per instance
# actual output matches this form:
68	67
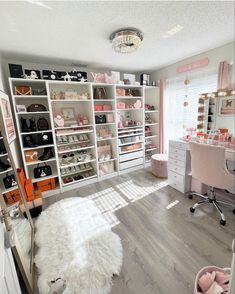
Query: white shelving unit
151	122
77	160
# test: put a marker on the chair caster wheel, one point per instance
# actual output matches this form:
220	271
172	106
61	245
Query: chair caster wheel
234	211
190	196
222	222
192	209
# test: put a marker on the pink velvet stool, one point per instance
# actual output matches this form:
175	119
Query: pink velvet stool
159	165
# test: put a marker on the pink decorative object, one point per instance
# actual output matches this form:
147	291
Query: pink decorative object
98	107
98	77
110	79
137	104
121	105
109	118
159	165
107	107
194	65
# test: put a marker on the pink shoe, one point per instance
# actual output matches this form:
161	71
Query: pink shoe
215	289
222	279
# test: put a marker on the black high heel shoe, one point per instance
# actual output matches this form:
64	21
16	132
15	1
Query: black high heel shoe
32	124
47	154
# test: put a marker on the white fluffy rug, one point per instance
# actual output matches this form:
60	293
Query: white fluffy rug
76	243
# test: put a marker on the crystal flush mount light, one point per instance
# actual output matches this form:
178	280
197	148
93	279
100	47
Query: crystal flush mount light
126	40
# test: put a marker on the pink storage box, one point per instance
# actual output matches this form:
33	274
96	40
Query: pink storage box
159	165
198	187
98	107
107	107
121	105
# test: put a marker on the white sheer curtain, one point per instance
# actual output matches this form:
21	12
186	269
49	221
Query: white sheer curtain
176	116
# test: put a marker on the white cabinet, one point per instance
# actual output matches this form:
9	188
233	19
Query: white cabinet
179	166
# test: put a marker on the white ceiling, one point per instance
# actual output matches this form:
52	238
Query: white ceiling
78	31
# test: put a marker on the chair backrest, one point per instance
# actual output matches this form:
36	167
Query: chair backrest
208	165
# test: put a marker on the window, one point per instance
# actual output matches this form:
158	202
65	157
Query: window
176	116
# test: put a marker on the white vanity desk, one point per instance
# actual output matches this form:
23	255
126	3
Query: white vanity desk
179	164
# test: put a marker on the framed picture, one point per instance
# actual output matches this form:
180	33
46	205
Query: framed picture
227	106
21	108
68	115
7	118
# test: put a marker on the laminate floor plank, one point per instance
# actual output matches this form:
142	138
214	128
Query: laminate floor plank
164	245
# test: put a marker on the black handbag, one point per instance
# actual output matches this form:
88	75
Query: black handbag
9	181
42	124
44	139
36	107
29	71
100	119
39	91
100	93
42	171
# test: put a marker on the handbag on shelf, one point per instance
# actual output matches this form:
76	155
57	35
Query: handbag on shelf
104	132
31	156
23	90
42	171
109	118
106	168
135	93
121	105
36	108
104	150
9	181
107	107
98	107
44	139
39	91
100	93
42	124
100	119
120	92
71	94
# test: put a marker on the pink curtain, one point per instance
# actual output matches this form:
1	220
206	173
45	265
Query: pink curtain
161	116
223	75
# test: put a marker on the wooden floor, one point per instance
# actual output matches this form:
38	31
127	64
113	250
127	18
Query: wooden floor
163	248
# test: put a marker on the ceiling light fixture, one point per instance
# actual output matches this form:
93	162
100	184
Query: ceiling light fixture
126	40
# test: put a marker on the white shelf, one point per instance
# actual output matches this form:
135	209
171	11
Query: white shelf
79	181
105	124
103	100
151	149
76	149
5	190
1	138
70	100
75	133
6	171
3	155
40	161
104	139
127	128
104	111
151	111
44	178
38	147
129	109
74	127
149	137
77	172
129	97
33	112
152	124
36	132
77	163
130	143
30	96
131	135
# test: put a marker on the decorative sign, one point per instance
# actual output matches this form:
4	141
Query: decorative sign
194	65
7	117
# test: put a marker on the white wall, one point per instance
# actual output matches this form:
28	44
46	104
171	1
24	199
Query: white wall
223	53
1	75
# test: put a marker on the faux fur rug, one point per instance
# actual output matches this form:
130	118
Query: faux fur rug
76	244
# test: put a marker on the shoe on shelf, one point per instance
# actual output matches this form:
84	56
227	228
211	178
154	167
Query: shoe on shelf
71	140
59	140
73	170
64	139
32	124
47	154
3	150
63	171
24	126
85	137
67	170
29	142
77	168
3	166
75	138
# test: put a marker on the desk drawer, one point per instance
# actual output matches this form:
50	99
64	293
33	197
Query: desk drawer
178	169
176	162
179	145
176	181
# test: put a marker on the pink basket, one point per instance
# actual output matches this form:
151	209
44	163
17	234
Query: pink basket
207	269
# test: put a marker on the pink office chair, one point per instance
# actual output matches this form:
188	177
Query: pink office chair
208	164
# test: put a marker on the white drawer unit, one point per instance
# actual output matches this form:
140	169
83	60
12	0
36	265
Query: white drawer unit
131	163
179	166
130	156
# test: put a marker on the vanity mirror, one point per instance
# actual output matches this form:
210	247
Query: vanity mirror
216	110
